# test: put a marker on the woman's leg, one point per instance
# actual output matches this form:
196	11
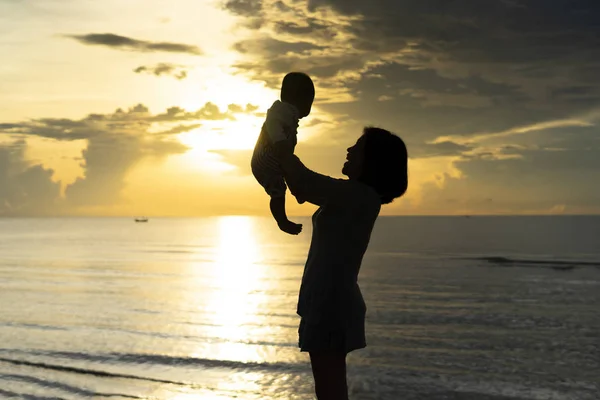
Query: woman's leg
329	371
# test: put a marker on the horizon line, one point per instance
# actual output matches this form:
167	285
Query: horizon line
295	216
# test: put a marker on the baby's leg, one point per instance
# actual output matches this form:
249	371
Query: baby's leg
278	212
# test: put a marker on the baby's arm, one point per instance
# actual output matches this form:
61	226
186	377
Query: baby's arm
278	211
276	188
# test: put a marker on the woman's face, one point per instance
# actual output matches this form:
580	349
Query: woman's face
353	166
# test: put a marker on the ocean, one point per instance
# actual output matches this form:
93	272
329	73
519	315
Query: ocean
473	308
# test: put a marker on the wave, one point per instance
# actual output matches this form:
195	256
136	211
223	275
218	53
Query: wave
34	326
63	387
141	359
85	371
170	251
554	264
14	395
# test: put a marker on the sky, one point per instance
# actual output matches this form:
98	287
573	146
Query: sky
128	108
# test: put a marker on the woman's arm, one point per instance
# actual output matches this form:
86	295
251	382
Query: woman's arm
306	184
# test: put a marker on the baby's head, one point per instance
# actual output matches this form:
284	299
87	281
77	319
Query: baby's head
298	89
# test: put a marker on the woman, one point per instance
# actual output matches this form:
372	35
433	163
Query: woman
330	303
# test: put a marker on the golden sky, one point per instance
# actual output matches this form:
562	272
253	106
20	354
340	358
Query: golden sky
152	107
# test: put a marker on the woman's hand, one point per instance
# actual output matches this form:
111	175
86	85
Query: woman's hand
283	150
304	184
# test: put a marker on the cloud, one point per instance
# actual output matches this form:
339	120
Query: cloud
244	7
432	98
176	71
472	31
126	43
238	109
25	188
251	9
537	169
533	184
496	100
107	160
438	149
177	129
479	83
7	127
209	111
280	47
116	143
478	137
136	121
462	39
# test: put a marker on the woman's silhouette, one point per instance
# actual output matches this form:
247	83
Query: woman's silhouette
330	303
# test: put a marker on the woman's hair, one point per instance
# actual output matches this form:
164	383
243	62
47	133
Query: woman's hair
385	165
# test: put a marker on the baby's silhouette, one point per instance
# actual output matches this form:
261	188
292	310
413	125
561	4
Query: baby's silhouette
297	96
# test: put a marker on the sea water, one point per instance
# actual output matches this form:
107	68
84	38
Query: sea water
181	309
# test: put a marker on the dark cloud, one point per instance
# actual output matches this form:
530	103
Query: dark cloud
545	171
515	79
126	43
7	127
173	70
584	95
324	67
573	148
396	79
278	57
442	149
275	46
309	26
244	7
466	27
539	181
251	9
516	49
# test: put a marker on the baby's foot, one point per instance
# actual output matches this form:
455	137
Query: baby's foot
290	227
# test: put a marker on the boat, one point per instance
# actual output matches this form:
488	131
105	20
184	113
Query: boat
142	219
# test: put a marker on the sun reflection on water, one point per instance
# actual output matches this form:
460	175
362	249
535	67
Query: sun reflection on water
233	307
236	277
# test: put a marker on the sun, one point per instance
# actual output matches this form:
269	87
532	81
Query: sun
240	134
222	87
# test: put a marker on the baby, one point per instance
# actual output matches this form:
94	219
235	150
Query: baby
297	96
